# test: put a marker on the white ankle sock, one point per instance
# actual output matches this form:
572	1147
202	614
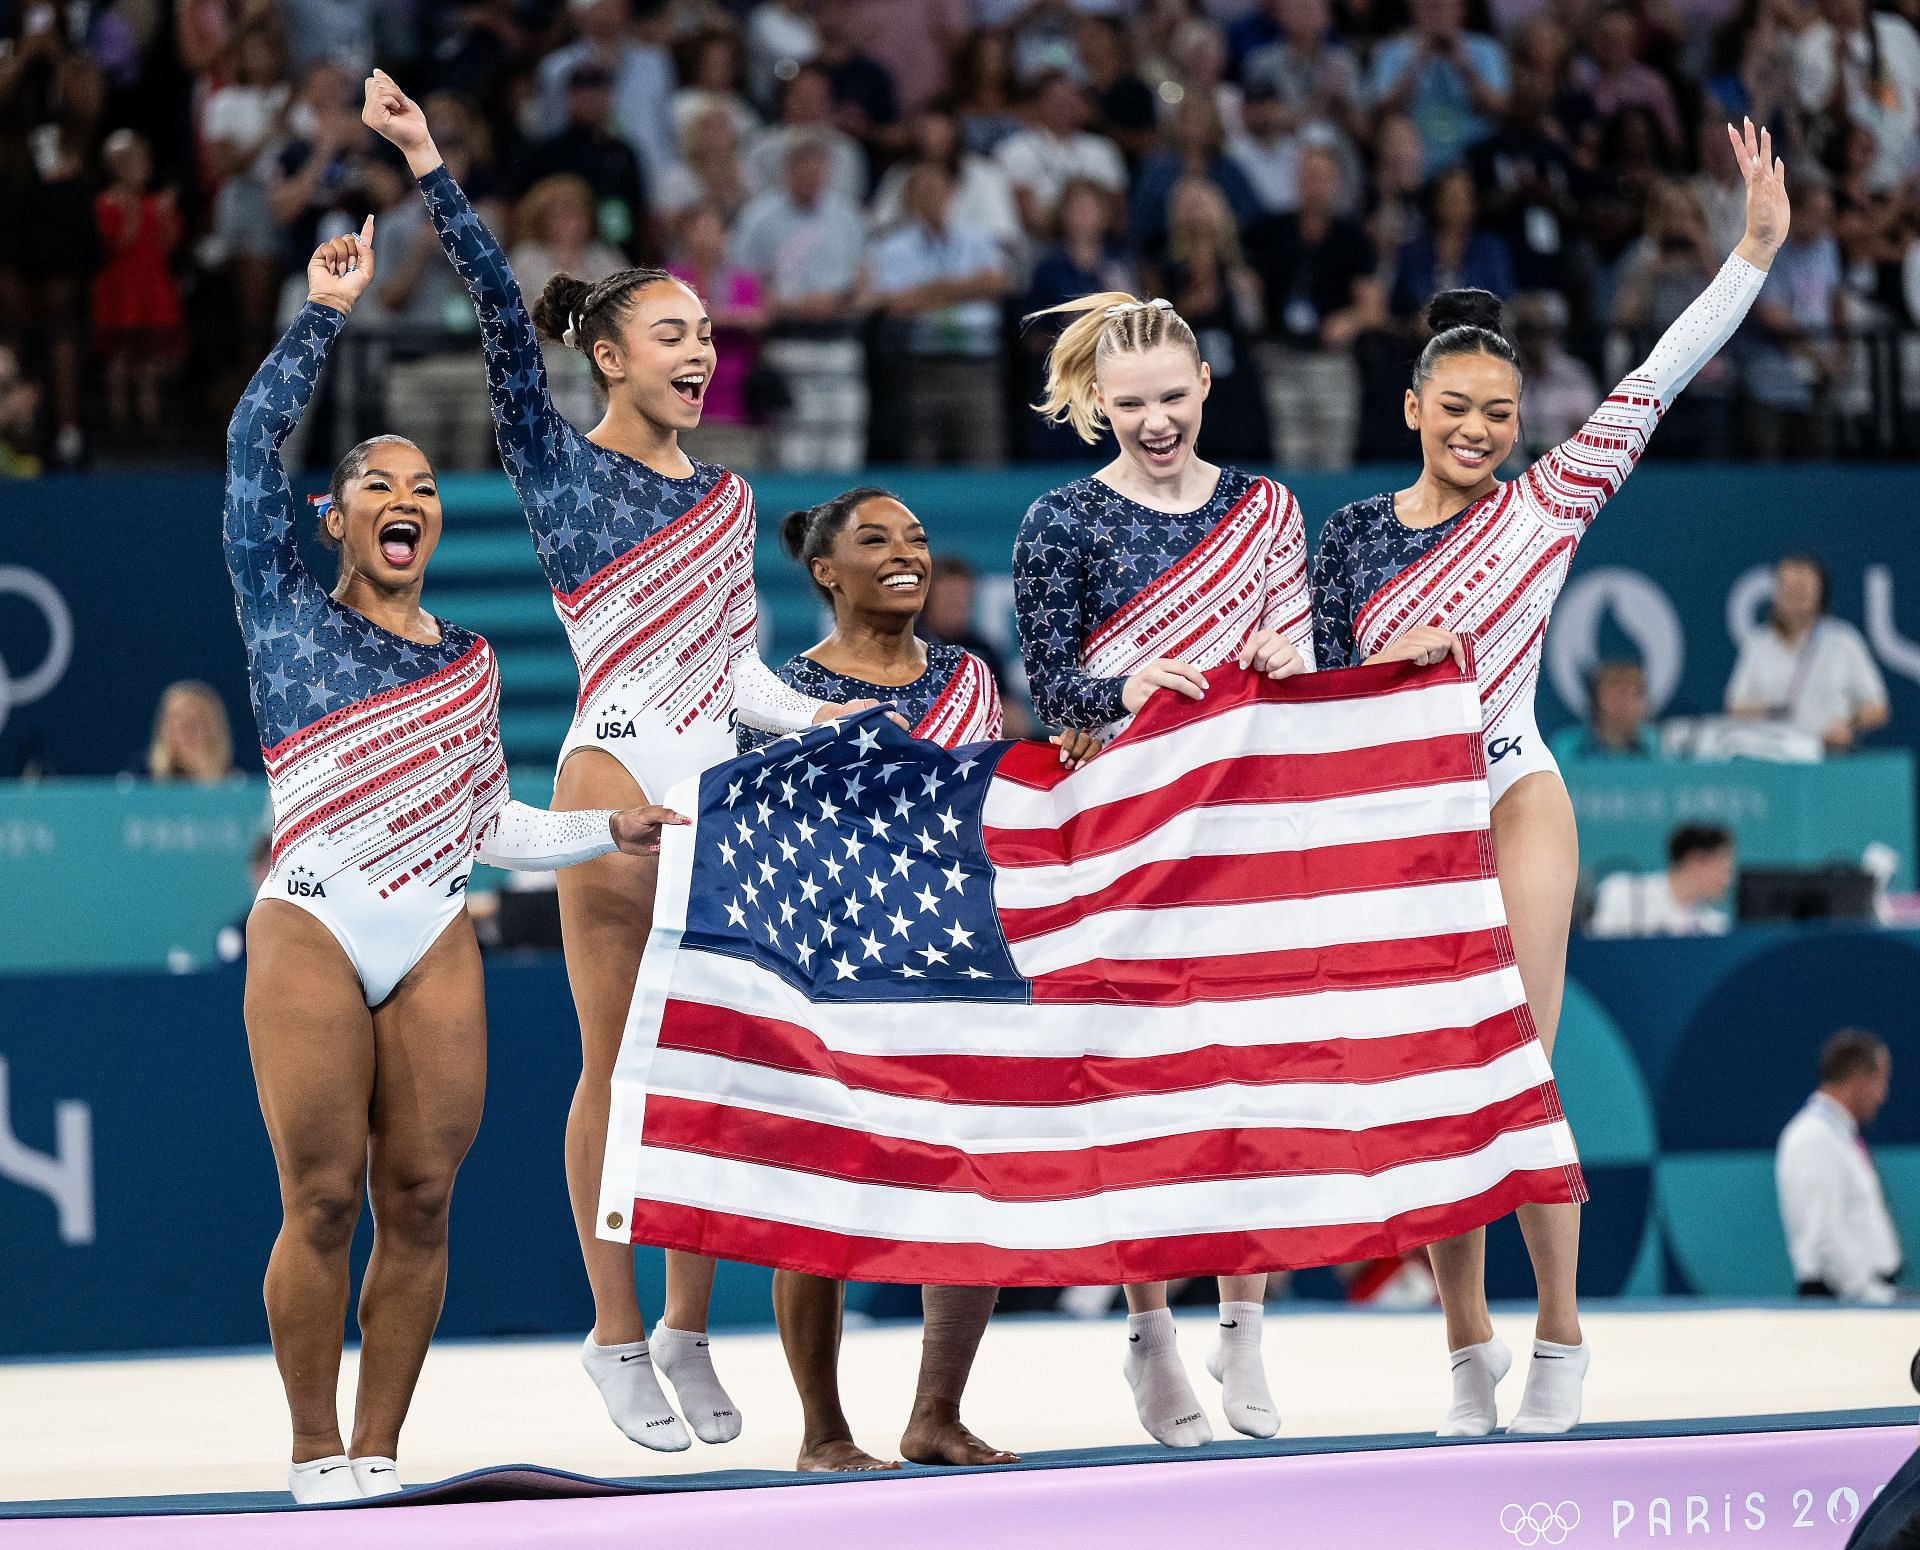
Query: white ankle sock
686	1363
1235	1361
1161	1394
1477	1371
323	1480
624	1375
375	1476
1554	1379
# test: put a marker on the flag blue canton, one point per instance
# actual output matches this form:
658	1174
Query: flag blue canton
848	859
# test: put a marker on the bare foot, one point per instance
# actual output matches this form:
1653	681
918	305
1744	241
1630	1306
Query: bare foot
946	1441
841	1456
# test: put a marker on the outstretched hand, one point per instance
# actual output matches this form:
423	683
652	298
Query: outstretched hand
1768	210
637	830
340	271
393	115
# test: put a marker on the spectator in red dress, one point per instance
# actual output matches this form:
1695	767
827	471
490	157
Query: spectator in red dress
136	300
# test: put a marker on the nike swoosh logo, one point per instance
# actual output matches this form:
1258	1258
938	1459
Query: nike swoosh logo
700	1345
632	1356
379	1471
1461	1363
332	1467
1234	1325
1134	1338
1547	1356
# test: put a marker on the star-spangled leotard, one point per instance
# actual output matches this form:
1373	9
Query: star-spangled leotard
1192	585
1495	569
652	576
382	754
955	701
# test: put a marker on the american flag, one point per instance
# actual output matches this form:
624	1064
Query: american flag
1236	996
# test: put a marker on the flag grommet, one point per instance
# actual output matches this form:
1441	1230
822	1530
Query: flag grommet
614	1219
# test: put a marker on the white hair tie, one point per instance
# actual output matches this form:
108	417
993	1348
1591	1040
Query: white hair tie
1158	304
571	336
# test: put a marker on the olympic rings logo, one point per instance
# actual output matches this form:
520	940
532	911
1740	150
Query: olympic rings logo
1541	1523
18	581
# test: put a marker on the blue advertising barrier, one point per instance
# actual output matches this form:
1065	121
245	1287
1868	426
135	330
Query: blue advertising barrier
1673	572
137	1198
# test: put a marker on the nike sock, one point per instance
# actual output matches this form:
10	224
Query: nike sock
687	1364
1161	1394
323	1480
624	1375
1235	1361
1477	1371
375	1476
1554	1378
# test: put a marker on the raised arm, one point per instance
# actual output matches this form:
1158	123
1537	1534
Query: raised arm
262	555
1049	608
1576	478
533	434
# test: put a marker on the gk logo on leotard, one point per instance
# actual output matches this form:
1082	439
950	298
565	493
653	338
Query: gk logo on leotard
456	885
1500	747
1542	1523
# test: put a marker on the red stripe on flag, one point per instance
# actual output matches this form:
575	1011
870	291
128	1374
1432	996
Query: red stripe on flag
1231	687
1248	879
1281	972
841	1256
698	1028
793	1145
1245	779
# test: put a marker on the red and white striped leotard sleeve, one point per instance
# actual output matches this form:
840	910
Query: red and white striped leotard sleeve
1568	485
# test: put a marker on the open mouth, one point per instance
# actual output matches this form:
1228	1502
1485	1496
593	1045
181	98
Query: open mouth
1161	449
399	542
1471	457
690	387
902	581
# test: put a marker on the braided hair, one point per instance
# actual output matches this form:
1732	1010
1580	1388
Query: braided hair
1104	324
580	313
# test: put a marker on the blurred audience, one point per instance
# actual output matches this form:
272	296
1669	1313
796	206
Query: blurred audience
1571	155
1806	668
192	741
941	282
1684	900
1616	725
1840	1235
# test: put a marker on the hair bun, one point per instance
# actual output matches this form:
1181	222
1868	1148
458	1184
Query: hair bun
793	531
1464	309
559	303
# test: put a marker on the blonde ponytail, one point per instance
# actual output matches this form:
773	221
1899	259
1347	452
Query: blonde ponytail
1104	324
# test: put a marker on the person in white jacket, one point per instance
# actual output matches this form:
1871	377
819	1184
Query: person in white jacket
1840	1234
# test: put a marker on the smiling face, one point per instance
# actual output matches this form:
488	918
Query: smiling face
387	520
878	565
1468	418
1152	400
663	359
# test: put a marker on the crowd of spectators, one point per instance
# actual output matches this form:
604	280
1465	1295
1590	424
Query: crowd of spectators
872	192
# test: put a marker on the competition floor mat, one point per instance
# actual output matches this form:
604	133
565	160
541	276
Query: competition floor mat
1749	1426
1754	1481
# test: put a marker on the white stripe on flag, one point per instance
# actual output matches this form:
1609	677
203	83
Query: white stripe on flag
1255	1204
1254	829
979	1127
1135	766
1219	930
1067	1030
